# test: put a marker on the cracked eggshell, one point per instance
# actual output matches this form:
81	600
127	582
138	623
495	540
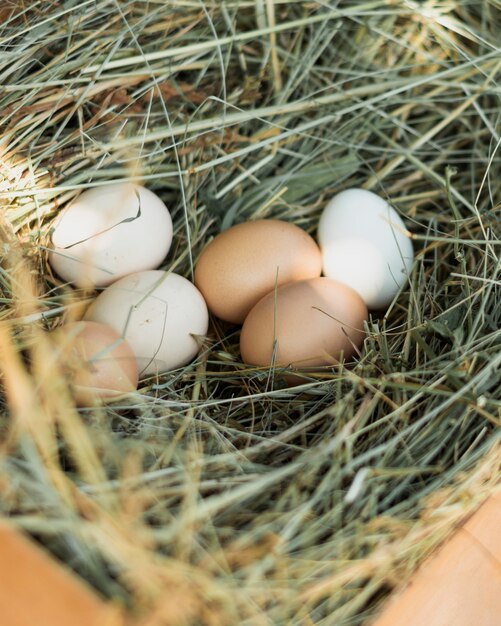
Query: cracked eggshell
245	262
304	325
160	314
109	232
364	244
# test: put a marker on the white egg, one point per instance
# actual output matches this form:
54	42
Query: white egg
109	232
365	245
162	315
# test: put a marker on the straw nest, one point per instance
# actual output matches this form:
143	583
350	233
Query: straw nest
214	495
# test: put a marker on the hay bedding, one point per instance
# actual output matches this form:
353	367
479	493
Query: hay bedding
215	496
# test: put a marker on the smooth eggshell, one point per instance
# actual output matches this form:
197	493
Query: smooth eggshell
364	244
459	583
36	589
158	313
109	232
304	325
245	262
101	364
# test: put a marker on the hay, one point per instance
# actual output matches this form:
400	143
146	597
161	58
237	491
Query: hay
213	495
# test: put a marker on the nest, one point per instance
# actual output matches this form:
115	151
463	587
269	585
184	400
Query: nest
213	496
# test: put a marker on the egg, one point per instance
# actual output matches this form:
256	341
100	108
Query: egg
99	362
160	314
304	325
109	232
365	244
245	262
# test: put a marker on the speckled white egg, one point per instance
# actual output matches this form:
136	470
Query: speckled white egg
109	232
162	315
365	245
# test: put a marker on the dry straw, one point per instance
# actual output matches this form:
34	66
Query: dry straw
214	495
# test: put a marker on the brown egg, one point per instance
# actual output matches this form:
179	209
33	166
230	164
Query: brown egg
245	262
99	361
304	325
